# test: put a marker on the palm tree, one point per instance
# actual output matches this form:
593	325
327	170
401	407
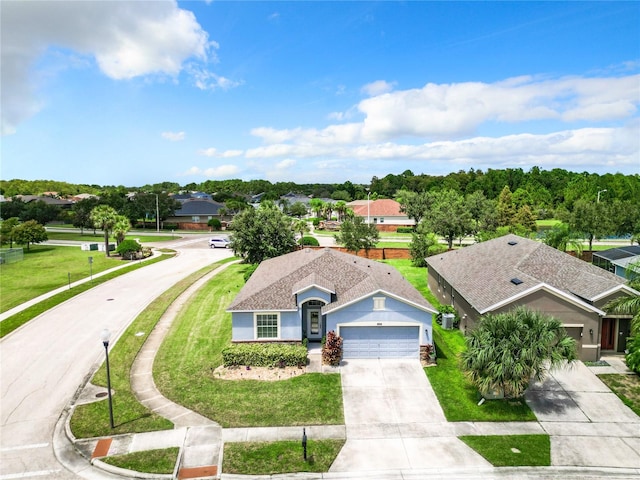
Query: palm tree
300	226
507	350
104	217
560	237
120	228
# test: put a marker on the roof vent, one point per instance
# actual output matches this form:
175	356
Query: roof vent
512	242
516	281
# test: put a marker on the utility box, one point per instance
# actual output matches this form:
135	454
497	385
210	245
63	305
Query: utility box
89	246
447	320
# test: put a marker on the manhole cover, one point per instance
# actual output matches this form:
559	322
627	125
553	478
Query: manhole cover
101	394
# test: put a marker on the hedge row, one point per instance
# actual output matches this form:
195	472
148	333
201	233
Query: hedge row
264	355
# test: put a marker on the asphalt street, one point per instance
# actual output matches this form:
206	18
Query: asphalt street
43	364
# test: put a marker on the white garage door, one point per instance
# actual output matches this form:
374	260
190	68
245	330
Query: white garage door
380	342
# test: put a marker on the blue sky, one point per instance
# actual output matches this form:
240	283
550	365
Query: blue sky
138	92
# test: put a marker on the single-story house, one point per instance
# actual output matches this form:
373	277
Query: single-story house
195	214
384	213
307	293
63	203
618	260
509	271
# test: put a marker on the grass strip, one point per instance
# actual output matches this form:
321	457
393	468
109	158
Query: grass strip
92	420
267	458
512	450
184	370
626	387
99	237
160	461
13	322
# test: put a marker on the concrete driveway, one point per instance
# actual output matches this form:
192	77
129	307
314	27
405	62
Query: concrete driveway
587	423
394	421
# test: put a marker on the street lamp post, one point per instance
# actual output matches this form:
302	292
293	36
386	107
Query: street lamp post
105	336
157	215
599	192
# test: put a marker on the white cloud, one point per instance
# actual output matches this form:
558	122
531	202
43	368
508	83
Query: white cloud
441	111
285	164
213	152
379	87
591	147
207	80
173	136
222	171
127	39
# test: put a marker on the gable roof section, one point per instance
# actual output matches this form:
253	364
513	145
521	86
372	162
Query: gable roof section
314	280
273	284
482	273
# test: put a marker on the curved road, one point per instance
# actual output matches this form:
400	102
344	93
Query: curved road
43	363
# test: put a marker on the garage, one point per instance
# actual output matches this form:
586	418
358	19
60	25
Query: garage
380	341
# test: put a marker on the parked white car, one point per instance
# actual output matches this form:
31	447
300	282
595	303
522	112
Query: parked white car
219	242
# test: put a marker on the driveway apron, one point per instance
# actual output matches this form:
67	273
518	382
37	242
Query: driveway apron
394	421
588	424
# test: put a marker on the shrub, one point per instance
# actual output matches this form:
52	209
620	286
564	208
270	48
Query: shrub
633	357
404	230
315	221
332	349
128	248
265	355
215	224
312	241
170	226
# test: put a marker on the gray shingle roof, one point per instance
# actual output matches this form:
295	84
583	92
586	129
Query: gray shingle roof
482	273
272	285
199	207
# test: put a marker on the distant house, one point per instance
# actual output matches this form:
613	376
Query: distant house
183	197
500	274
385	214
307	293
195	214
58	202
618	260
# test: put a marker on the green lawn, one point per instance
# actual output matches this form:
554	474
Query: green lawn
268	458
46	268
184	367
512	450
161	461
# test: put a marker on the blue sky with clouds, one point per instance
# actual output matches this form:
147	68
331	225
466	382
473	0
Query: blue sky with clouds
136	92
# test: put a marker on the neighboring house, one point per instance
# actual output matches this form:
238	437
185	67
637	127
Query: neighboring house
500	274
195	214
617	260
58	202
307	293
384	213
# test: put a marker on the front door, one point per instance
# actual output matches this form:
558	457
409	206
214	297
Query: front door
624	332
314	324
608	333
